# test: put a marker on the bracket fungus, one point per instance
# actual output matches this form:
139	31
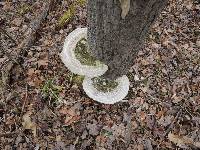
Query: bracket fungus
69	57
76	57
112	96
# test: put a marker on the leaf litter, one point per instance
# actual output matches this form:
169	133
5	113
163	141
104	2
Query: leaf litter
165	79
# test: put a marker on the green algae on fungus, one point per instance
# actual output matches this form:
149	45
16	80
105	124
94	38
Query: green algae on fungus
76	58
106	92
104	85
82	54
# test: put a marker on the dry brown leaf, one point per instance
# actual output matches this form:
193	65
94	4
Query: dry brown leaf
17	22
34	78
71	119
43	62
58	138
2	59
69	111
28	124
71	115
182	140
176	99
7	6
93	128
198	43
118	130
31	71
35	81
101	139
142	116
10	120
176	139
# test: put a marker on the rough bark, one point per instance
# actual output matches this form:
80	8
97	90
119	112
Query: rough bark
115	40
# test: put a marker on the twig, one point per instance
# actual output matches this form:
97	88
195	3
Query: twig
25	100
129	128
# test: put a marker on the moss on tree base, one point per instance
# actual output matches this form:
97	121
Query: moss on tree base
85	58
82	54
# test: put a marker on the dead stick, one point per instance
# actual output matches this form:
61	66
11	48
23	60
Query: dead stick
28	38
129	128
8	134
25	101
172	124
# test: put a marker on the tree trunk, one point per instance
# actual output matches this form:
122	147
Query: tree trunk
116	35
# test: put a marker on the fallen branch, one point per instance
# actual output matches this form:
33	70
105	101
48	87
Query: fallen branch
129	128
8	134
29	37
172	124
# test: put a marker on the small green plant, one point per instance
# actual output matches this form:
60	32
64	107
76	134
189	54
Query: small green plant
104	85
25	8
130	76
69	14
75	79
51	90
106	133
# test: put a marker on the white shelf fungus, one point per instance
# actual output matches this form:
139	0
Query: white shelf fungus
111	97
70	60
72	63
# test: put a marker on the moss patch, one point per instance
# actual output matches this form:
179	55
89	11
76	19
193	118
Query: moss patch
70	13
104	85
82	54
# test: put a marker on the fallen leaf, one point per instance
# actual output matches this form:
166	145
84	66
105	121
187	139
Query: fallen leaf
34	78
43	62
142	116
31	71
93	128
125	6
72	114
10	120
118	130
17	22
198	43
182	141
28	124
2	59
71	119
165	120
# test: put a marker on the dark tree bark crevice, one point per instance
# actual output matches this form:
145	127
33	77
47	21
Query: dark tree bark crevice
114	40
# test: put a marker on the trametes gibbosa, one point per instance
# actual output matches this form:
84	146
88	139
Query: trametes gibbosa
78	60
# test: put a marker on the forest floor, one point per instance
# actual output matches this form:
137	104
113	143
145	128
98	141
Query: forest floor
43	105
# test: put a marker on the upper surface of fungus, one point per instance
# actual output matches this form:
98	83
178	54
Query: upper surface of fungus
69	57
118	92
